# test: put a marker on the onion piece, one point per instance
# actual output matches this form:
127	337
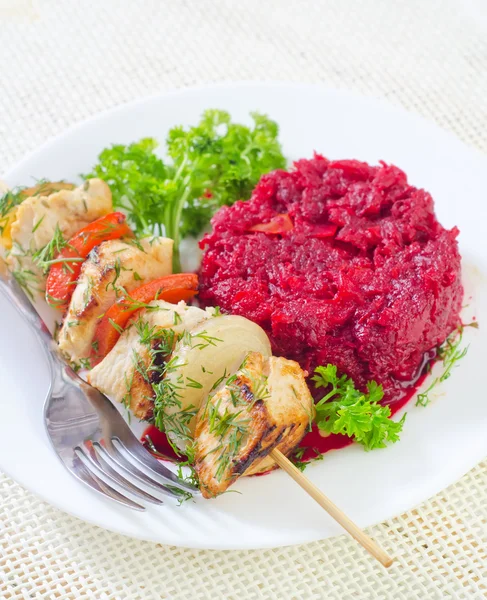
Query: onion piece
205	357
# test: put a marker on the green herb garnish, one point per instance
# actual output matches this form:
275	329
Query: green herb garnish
8	202
449	353
44	257
214	163
348	411
116	326
27	280
297	457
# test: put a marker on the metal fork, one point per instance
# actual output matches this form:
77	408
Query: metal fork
87	432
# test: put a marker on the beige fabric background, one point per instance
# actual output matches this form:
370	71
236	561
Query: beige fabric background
62	61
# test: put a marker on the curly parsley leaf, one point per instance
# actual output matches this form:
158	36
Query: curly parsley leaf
348	411
212	164
137	178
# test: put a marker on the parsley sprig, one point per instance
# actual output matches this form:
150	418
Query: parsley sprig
211	164
346	410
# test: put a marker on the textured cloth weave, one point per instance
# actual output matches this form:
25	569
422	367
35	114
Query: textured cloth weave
63	61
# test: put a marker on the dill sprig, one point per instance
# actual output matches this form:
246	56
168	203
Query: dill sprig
27	280
449	353
258	384
219	423
203	340
149	336
87	294
118	268
297	457
8	202
44	257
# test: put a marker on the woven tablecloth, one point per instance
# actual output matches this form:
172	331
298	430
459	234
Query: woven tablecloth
62	61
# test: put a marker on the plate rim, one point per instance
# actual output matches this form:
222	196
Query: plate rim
174	92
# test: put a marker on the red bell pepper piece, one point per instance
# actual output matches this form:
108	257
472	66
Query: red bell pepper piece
171	288
277	225
64	273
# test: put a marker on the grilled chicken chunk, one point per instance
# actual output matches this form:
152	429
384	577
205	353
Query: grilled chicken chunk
265	405
125	374
32	223
110	268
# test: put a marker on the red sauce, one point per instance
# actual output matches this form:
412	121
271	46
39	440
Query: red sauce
160	443
401	401
316	444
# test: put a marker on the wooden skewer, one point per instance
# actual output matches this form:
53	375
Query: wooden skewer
333	510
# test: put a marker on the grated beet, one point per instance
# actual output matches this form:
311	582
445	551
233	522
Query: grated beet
340	262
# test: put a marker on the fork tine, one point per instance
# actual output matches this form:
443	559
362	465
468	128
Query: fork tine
139	453
93	467
97	457
114	454
81	471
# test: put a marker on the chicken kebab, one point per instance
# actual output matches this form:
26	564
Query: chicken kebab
207	380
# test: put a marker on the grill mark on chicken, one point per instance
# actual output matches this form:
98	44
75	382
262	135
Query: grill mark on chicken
103	281
94	255
158	361
246	392
258	452
141	397
87	308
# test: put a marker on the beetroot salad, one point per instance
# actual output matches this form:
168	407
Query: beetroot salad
339	262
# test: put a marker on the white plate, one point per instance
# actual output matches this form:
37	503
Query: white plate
439	443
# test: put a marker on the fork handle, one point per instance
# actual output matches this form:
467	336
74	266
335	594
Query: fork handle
14	292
